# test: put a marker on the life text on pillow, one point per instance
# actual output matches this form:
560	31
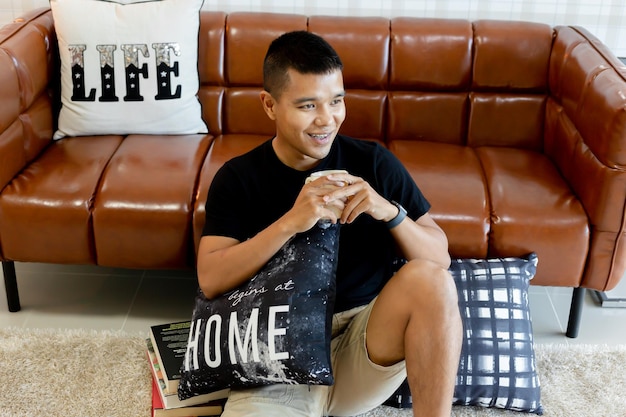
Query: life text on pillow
163	70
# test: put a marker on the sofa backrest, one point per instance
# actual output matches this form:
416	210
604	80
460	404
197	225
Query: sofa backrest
450	81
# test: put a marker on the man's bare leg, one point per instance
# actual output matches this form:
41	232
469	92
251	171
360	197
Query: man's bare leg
416	318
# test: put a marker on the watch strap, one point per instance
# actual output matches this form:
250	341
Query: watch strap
399	217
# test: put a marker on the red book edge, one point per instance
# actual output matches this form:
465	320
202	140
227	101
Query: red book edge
157	404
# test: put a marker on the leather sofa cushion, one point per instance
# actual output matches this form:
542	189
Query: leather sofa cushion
143	209
49	203
479	197
452	180
533	209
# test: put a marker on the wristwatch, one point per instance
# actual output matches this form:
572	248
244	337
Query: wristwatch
399	217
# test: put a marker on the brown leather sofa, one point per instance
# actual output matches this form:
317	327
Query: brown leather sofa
516	133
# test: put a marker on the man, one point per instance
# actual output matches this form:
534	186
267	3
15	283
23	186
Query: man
387	324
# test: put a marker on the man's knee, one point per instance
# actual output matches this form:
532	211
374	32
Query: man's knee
419	301
427	284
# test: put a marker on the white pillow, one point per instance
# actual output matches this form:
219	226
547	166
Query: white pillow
128	66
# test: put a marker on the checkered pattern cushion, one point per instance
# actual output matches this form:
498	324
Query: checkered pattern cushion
497	366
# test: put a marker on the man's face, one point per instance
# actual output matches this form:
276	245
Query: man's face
308	115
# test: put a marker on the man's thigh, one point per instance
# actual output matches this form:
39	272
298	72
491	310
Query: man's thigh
360	384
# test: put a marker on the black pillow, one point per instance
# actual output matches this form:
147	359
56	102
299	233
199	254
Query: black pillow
276	328
497	366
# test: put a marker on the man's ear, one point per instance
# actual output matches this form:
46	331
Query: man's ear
268	104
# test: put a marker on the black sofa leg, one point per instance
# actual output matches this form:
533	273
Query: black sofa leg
575	312
10	285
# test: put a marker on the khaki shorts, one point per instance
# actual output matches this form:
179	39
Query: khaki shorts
360	385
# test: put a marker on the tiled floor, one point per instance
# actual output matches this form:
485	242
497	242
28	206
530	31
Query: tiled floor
103	298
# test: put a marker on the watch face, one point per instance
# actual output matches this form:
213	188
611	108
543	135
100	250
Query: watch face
395	203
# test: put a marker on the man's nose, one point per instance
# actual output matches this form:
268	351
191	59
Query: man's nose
324	116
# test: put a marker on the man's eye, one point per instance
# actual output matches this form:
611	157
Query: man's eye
337	101
307	106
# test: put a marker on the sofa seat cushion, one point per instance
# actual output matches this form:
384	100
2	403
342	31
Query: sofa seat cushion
143	209
45	212
534	210
452	179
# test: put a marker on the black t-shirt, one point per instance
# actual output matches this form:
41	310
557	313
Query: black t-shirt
253	190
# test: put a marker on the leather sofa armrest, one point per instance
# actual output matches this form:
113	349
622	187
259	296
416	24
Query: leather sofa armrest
28	69
585	135
11	149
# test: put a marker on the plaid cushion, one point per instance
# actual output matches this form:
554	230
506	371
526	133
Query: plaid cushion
497	367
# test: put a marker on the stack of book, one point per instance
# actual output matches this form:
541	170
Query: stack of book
166	351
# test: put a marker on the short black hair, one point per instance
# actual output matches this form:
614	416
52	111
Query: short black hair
303	51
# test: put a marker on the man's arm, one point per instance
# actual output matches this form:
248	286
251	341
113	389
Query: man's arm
224	263
421	239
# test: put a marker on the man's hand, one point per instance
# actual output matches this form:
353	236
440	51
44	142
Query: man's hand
359	197
312	205
420	239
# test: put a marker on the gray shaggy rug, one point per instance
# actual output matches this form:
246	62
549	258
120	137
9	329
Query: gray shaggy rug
103	373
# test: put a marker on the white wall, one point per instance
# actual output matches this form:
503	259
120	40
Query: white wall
604	18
